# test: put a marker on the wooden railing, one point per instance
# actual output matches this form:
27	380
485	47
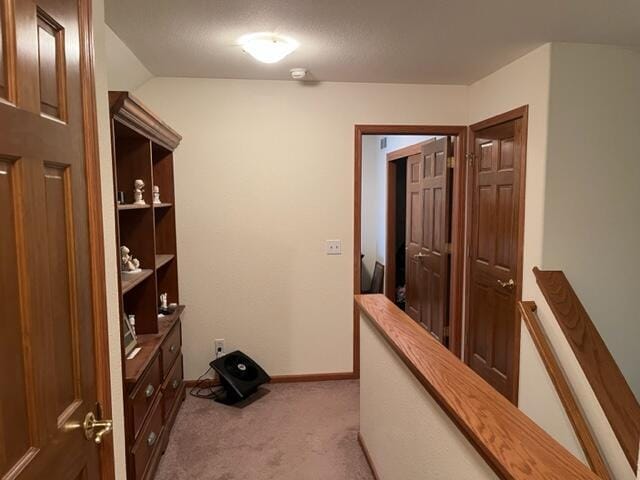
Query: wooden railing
605	378
510	442
559	379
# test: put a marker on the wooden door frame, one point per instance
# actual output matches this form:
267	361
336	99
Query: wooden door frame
458	223
515	114
96	234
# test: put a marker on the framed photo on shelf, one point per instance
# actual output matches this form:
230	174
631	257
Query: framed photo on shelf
128	334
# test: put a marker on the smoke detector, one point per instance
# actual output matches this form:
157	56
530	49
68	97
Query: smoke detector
298	73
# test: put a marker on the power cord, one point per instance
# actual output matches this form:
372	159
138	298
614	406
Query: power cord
204	388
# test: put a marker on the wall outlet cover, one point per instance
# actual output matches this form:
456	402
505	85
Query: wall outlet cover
334	247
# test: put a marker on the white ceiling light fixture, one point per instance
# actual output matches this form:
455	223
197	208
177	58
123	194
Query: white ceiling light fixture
267	47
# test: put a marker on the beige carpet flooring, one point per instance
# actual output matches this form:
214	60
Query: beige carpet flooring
298	431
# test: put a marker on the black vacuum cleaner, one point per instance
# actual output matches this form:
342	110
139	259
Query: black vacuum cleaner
239	375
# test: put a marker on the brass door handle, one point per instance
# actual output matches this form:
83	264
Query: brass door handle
510	284
90	426
420	255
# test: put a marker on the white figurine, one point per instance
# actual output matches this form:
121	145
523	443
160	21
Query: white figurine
156	194
163	301
138	190
128	263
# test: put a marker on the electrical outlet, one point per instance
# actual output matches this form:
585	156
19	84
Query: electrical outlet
334	247
219	347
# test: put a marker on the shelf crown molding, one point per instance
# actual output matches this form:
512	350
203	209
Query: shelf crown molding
128	110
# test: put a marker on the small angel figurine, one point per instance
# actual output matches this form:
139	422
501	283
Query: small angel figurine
156	194
138	190
128	263
163	301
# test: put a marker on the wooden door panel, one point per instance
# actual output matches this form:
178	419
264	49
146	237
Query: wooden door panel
51	63
437	224
62	281
15	421
484	232
502	331
479	323
505	223
412	300
413	236
3	68
494	221
47	332
414	218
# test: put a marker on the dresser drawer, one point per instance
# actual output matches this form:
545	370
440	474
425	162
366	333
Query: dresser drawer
172	387
171	348
148	440
144	394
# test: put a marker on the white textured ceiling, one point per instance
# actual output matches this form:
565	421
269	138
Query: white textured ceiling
403	41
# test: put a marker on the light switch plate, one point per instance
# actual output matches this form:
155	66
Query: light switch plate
334	247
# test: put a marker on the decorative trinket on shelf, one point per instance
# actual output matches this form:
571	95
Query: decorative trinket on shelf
165	307
120	198
128	263
132	322
156	194
138	190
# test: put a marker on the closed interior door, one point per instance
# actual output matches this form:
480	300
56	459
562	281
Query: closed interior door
48	384
492	324
429	181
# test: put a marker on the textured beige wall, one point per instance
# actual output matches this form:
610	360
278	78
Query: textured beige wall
530	80
592	214
104	139
408	435
264	176
125	71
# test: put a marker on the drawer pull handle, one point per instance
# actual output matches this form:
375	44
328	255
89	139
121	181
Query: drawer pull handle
148	392
172	348
151	439
175	384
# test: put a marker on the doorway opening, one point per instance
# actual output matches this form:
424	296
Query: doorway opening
397	218
439	230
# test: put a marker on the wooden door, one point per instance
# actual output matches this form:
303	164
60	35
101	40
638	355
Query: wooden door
48	380
413	238
494	254
429	181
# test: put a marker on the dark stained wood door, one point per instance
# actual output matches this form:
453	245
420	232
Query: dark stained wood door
48	382
413	237
492	322
429	181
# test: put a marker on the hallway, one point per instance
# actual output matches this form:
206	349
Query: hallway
296	431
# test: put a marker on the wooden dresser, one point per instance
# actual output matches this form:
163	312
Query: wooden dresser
142	148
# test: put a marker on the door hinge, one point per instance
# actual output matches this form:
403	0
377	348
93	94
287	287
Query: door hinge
470	157
446	332
451	162
448	248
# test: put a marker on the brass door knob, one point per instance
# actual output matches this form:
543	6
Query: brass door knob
96	429
420	255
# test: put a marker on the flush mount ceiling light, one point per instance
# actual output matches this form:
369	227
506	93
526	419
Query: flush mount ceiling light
267	47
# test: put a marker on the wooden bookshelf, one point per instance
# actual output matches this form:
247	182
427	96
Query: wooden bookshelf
142	148
132	207
130	280
162	260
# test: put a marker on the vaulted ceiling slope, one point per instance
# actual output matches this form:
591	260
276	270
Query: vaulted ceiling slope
395	41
